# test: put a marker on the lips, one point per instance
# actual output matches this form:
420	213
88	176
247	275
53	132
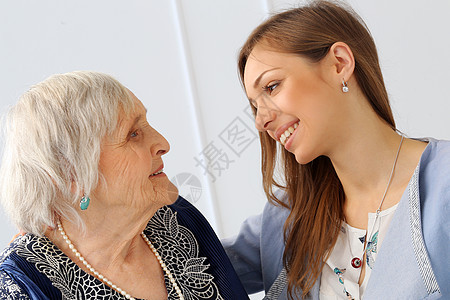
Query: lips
284	137
158	171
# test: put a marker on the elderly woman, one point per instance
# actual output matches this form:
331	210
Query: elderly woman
82	174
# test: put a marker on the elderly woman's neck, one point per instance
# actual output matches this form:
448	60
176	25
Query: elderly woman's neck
113	231
108	240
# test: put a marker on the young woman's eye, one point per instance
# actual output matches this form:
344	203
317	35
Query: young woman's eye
271	87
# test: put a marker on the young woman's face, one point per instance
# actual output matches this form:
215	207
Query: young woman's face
295	101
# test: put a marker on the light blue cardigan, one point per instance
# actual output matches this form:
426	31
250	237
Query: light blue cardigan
413	262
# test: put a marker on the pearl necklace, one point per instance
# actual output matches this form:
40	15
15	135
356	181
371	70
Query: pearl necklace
106	280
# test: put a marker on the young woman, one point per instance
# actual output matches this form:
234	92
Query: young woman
362	210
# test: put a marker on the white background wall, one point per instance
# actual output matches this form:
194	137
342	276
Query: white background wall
179	58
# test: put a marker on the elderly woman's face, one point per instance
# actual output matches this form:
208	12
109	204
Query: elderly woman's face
131	164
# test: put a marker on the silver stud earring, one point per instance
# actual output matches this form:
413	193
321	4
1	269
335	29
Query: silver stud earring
344	86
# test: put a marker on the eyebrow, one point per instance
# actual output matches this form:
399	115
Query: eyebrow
255	85
138	118
257	81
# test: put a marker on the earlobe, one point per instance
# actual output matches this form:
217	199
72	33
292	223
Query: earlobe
344	62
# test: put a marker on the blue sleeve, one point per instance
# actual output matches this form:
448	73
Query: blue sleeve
434	182
257	251
9	289
245	254
20	279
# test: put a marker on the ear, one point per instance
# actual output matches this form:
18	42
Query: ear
342	59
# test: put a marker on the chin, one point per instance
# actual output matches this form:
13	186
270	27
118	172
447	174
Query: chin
303	157
302	161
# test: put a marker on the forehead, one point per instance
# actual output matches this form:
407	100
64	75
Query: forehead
263	59
127	119
138	106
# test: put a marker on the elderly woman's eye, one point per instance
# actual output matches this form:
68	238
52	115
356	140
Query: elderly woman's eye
134	133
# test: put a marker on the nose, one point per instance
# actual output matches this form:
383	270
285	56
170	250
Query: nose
160	145
264	118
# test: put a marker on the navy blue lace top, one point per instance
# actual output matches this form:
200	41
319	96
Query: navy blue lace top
33	267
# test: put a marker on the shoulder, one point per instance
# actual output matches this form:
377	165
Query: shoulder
434	171
274	215
437	150
269	224
436	157
434	181
272	223
194	224
434	193
181	218
189	216
183	206
17	243
9	271
181	214
9	288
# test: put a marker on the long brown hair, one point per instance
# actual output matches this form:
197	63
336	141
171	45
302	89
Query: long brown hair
315	193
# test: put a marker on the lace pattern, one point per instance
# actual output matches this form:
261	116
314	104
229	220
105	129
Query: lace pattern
9	289
179	249
64	274
175	243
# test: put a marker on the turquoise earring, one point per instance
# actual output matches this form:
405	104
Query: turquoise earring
84	202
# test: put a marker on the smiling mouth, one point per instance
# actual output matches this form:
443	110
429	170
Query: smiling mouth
157	173
285	136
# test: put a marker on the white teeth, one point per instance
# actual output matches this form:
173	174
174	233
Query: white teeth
285	136
287	133
157	173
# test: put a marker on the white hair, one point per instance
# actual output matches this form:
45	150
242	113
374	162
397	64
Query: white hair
52	146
